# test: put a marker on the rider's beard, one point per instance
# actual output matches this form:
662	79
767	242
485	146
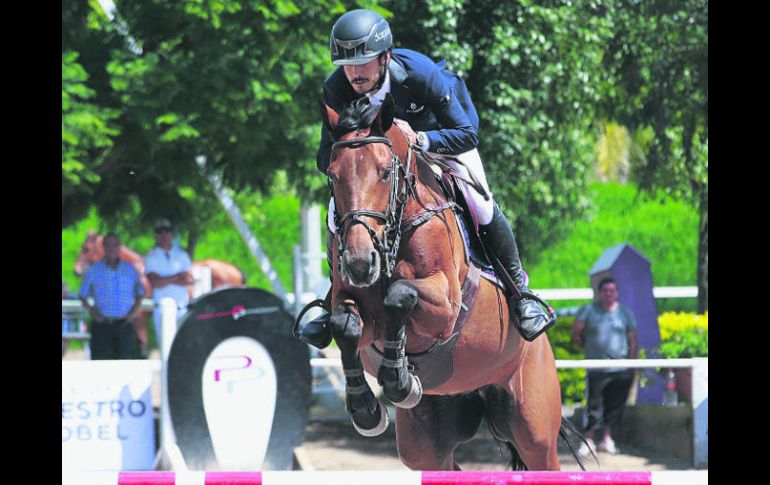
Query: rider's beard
378	85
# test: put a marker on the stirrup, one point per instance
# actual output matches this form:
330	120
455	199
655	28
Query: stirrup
530	334
295	328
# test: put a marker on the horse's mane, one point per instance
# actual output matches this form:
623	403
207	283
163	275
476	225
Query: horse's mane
358	115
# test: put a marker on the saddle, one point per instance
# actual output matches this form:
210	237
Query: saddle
455	188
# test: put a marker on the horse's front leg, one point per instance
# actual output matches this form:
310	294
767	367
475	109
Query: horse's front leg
399	385
369	417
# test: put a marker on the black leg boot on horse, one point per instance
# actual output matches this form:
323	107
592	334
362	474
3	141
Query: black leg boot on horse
399	385
528	316
370	418
317	332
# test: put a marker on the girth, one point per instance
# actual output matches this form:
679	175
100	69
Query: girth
436	365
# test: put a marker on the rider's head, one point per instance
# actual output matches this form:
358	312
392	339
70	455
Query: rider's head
361	42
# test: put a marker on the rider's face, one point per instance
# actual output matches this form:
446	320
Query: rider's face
364	77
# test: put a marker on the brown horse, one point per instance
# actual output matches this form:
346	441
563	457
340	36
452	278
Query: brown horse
398	277
222	273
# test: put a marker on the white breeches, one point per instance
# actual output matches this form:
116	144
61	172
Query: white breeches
472	161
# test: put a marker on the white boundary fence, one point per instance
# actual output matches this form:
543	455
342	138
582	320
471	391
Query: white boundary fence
546	294
700	379
699	366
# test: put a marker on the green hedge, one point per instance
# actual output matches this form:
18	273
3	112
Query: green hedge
572	380
663	229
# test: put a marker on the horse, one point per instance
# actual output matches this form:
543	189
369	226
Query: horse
222	273
399	286
91	251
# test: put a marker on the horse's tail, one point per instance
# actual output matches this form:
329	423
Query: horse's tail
565	430
516	463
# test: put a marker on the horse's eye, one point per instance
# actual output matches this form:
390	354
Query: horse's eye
385	174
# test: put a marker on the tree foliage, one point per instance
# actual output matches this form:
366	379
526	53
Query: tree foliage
87	129
657	60
144	93
534	73
236	82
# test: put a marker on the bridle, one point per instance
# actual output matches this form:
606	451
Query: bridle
387	245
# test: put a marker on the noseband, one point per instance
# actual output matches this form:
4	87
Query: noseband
387	245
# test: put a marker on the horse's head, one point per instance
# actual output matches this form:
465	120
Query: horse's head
90	252
367	180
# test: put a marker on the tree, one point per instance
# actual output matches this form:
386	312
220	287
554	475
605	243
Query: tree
534	72
87	130
658	65
235	82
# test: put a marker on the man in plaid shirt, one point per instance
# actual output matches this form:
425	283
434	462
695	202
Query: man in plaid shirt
117	293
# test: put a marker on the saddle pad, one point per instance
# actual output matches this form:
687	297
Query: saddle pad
477	257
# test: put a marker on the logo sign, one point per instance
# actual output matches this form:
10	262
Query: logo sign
378	36
239	394
106	415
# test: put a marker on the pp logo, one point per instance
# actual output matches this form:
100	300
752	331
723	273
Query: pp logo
241	370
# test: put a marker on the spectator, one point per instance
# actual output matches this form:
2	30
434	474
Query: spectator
607	330
168	269
117	293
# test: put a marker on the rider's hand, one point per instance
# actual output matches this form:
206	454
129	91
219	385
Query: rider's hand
410	134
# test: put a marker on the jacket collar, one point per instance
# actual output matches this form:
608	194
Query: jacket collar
397	71
398	89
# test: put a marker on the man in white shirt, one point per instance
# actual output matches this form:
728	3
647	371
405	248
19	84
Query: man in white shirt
168	269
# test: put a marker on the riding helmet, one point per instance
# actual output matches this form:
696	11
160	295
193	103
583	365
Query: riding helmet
359	36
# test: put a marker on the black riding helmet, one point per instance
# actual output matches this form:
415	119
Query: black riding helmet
359	36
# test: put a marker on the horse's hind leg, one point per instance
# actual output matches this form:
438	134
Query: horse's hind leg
369	417
398	384
428	434
527	409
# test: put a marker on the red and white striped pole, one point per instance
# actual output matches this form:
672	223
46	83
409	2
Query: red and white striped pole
699	477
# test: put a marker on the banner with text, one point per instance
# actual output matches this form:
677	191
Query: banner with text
106	415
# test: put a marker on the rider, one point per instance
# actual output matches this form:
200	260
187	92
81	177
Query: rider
432	100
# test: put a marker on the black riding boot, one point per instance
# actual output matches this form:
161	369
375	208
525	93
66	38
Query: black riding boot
498	237
317	332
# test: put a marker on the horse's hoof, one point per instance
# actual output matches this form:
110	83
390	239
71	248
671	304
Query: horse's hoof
413	398
381	426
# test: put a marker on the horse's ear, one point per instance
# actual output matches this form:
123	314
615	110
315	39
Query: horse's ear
329	117
387	113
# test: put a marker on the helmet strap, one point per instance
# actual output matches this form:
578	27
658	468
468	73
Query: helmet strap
383	69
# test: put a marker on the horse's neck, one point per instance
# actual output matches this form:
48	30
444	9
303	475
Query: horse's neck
130	255
427	188
126	254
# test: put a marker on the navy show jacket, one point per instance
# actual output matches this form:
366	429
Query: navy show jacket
427	96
